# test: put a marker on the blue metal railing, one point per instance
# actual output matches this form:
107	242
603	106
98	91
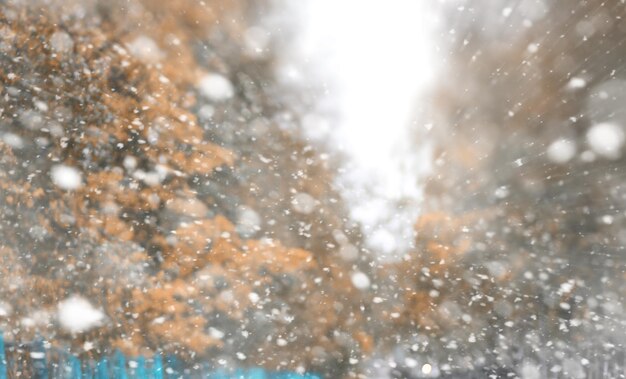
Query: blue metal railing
37	361
3	359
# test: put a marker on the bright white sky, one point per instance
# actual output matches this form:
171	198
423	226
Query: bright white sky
376	56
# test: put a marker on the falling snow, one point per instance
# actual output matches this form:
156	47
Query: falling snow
215	87
145	49
377	190
561	151
606	139
66	177
61	42
360	280
76	315
303	203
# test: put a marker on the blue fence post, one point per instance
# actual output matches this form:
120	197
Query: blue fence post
88	372
74	364
68	366
140	370
219	374
157	367
102	369
38	355
3	359
119	365
256	373
172	366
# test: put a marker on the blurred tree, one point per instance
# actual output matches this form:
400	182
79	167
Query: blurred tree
150	165
519	257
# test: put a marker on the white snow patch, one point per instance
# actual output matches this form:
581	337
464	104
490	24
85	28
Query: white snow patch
248	221
216	87
576	83
304	203
533	48
573	369
348	252
66	177
76	314
566	287
5	309
61	42
145	49
130	163
427	369
256	39
254	297
533	10
13	140
159	320
502	192
606	139
383	240
607	219
37	354
216	333
152	178
530	371
281	342
360	280
561	151
316	127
